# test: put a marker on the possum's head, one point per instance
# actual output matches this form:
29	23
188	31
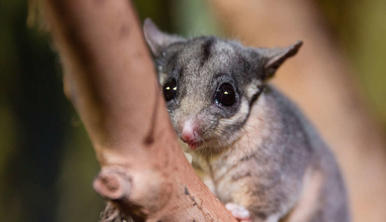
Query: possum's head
210	84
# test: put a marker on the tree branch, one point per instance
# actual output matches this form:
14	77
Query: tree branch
109	77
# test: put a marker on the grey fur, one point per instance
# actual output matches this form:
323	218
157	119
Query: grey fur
261	153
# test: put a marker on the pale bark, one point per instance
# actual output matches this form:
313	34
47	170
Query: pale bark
109	77
321	82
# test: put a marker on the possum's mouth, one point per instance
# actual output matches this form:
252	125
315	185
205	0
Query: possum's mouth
194	145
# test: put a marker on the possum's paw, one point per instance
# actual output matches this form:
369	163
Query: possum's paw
239	212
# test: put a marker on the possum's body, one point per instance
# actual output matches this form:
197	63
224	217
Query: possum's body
252	147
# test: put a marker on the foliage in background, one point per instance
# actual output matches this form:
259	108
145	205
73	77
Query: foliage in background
360	28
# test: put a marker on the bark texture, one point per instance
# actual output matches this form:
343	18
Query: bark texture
321	81
110	79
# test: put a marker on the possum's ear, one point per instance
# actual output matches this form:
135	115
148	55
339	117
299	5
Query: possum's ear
156	39
273	58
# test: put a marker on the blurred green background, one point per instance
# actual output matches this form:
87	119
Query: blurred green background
47	163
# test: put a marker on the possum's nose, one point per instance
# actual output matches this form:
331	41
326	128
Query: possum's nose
189	131
190	134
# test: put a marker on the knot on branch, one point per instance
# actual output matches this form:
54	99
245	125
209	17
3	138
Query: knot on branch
112	214
113	183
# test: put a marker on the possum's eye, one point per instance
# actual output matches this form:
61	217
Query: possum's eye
225	95
170	89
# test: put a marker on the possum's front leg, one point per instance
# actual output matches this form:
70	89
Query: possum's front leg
243	215
239	212
257	194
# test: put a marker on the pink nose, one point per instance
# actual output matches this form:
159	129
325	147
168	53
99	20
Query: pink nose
189	132
188	137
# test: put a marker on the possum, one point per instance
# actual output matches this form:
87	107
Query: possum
248	142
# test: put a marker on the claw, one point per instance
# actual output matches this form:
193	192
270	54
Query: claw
239	212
